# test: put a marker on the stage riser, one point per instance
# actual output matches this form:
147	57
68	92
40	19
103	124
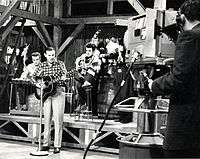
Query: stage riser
76	133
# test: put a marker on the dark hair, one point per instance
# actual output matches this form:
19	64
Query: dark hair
90	45
50	49
191	9
35	54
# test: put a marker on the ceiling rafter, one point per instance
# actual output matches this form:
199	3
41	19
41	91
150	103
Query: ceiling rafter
39	34
8	10
74	34
32	16
9	26
45	33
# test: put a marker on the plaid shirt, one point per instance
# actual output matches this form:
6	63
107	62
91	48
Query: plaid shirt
57	70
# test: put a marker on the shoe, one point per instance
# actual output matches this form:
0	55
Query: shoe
45	148
56	150
84	107
81	108
78	109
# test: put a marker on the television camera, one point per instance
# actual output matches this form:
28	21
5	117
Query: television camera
153	36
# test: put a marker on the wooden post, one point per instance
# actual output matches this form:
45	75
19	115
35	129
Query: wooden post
75	33
160	4
137	6
39	34
5	15
47	7
86	135
69	7
110	7
9	27
44	32
57	32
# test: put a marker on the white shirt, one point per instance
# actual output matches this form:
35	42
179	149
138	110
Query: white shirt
28	71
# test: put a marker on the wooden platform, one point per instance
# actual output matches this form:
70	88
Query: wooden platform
21	150
77	132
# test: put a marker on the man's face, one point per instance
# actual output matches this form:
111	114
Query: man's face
89	51
50	56
95	41
36	60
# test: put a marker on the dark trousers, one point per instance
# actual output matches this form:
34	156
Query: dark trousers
83	95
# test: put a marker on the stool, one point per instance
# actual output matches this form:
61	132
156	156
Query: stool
86	109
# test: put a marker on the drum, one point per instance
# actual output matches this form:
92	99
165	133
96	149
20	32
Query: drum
106	93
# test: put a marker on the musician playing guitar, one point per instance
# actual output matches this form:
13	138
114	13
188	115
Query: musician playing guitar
54	105
88	66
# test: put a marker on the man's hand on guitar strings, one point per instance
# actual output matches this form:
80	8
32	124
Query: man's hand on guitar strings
40	85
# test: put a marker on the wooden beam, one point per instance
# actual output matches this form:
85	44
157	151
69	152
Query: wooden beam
10	25
137	6
110	7
57	36
57	31
32	16
8	28
93	1
76	32
47	7
160	4
7	12
121	22
69	7
14	32
94	20
38	33
64	21
44	32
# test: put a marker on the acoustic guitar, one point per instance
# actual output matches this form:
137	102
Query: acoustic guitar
49	84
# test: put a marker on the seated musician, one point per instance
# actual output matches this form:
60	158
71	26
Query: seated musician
98	43
24	91
54	105
112	54
30	69
88	65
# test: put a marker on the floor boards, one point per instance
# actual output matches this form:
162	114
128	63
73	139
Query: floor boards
21	150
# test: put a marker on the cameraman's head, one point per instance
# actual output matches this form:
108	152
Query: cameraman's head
190	14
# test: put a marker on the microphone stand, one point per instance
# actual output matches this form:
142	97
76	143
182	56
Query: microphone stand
38	152
111	105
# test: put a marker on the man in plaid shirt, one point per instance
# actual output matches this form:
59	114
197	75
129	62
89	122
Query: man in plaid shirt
54	105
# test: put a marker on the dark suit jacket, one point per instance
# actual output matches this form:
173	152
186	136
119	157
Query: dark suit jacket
183	125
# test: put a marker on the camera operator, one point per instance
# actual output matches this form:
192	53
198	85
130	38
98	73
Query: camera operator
182	137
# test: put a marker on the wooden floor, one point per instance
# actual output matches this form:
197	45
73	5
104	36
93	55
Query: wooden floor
21	150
